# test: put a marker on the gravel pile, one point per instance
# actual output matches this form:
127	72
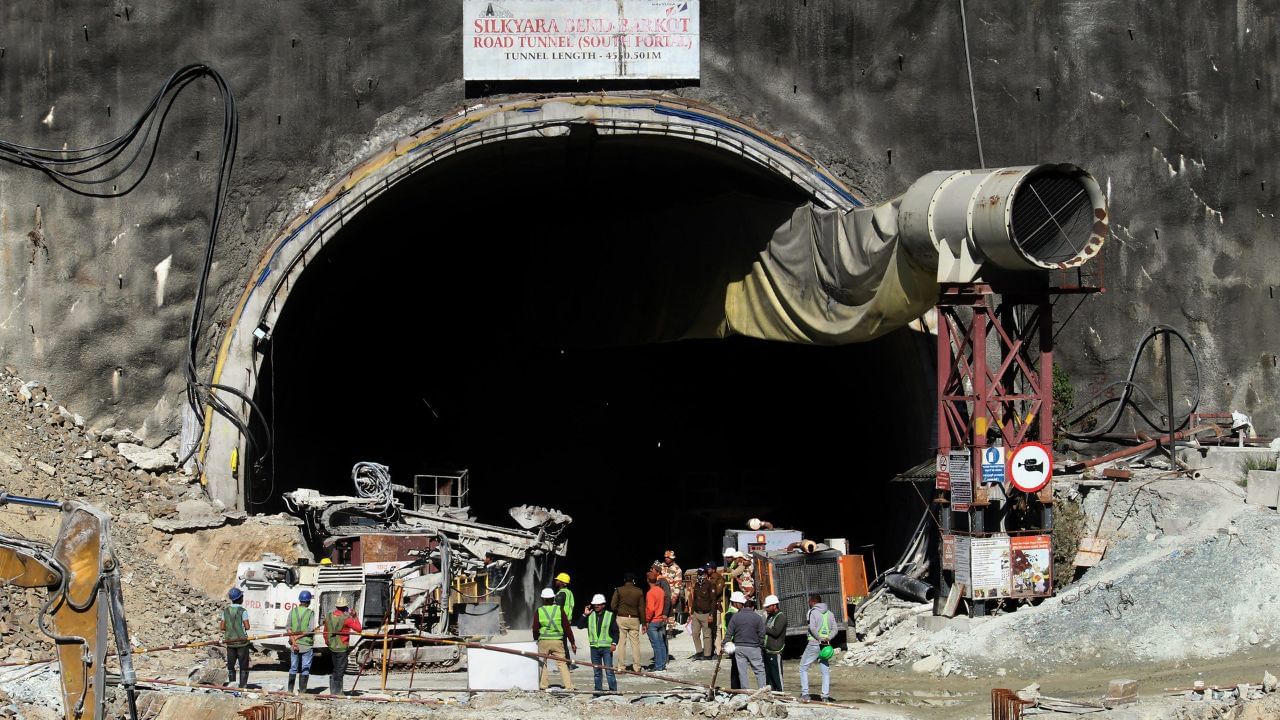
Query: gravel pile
1190	572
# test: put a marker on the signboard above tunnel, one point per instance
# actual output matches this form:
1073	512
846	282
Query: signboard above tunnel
580	40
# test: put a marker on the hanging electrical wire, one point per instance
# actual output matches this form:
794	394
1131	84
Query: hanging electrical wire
87	171
1129	388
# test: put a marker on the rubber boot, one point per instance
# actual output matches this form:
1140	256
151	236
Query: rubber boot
302	684
244	679
292	679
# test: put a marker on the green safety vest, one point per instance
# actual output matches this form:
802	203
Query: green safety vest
302	620
335	623
724	619
824	631
598	629
233	622
568	602
550	626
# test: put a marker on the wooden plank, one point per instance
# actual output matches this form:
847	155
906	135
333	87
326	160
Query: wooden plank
953	600
1091	551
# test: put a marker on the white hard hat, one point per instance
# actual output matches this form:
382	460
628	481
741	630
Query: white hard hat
729	648
739	553
548	593
738	597
597	599
728	552
771	600
754	523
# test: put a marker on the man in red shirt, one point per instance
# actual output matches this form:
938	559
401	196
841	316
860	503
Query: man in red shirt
655	616
337	633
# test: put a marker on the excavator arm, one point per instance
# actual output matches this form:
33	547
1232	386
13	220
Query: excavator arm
84	600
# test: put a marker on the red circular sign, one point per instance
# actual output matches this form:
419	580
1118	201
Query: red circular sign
1030	467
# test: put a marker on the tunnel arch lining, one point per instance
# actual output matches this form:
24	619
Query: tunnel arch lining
286	257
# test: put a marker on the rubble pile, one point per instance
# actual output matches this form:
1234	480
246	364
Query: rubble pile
1188	573
47	452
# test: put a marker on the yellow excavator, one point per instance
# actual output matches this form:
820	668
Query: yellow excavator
82	577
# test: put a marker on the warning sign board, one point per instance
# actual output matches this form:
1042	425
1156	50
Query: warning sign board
948	552
944	477
961	494
993	465
1030	467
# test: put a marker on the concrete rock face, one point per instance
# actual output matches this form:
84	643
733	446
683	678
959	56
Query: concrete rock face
1171	111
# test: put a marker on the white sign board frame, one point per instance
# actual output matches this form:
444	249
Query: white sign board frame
580	40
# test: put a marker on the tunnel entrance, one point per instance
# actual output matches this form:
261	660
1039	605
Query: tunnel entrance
522	311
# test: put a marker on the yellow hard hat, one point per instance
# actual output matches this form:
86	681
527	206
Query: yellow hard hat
326	561
563	577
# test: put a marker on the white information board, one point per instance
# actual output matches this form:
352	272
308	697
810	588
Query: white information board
580	39
991	564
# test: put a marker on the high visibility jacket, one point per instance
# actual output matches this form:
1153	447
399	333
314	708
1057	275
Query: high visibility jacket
334	624
302	620
233	626
598	629
566	602
550	626
824	630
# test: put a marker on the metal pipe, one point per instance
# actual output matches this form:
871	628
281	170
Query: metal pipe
1135	450
34	502
1168	394
909	587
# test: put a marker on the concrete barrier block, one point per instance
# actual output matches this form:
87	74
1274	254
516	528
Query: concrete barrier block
1263	488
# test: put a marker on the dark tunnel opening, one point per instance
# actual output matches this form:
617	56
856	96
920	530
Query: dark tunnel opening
518	311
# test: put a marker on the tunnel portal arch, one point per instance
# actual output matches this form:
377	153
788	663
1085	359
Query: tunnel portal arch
222	446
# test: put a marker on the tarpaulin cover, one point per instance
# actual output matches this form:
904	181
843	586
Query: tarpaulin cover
829	277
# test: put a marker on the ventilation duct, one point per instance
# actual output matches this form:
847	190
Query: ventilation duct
1042	217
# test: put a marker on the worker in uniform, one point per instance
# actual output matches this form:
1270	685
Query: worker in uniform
564	598
747	632
627	604
337	634
602	636
235	634
775	631
302	625
821	626
551	629
674	576
741	574
702	615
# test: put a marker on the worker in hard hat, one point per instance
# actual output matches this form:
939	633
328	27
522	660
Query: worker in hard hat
627	604
655	618
302	625
775	639
552	630
337	634
602	637
235	635
746	632
735	681
821	628
564	598
702	615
